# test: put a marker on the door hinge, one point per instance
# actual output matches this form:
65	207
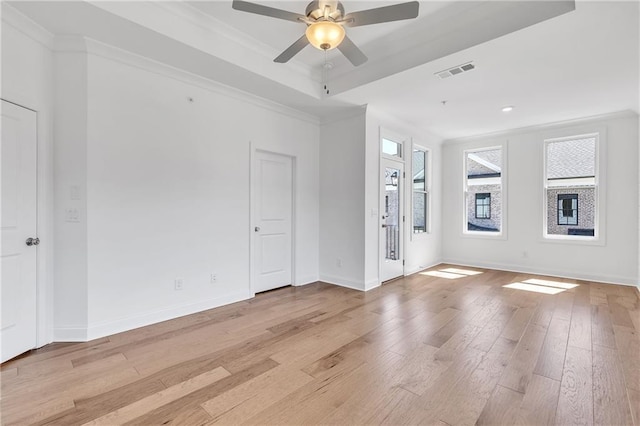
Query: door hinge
404	175
402	262
403	218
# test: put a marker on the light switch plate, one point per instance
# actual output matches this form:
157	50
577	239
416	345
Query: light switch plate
72	215
74	192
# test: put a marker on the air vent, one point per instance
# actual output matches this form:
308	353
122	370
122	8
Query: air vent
455	70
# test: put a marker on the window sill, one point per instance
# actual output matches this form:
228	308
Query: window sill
485	235
565	239
419	236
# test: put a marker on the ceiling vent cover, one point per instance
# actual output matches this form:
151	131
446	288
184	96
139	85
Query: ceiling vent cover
456	70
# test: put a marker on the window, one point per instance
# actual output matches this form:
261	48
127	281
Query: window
483	206
567	209
571	187
483	191
391	148
420	191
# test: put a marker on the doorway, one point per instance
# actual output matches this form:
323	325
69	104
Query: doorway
272	221
392	219
18	326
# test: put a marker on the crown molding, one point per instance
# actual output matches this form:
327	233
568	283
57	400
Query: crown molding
195	28
544	127
28	27
70	44
220	28
391	121
345	113
82	44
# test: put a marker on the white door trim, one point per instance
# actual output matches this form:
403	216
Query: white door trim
44	224
252	191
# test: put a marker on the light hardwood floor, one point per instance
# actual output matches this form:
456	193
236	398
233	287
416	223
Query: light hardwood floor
450	349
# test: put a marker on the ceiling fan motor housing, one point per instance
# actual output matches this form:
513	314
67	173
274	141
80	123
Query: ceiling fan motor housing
315	10
325	20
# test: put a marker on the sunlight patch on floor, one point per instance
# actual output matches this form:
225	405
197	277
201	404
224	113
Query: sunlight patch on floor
542	286
534	288
467	272
556	284
440	274
451	273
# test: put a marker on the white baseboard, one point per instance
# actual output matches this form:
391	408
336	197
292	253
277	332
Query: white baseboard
309	279
605	279
107	328
413	269
371	284
343	282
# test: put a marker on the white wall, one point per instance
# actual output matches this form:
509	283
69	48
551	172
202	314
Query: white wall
524	249
342	181
71	239
167	189
27	80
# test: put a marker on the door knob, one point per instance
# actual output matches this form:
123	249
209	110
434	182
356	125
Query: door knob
384	225
33	241
257	229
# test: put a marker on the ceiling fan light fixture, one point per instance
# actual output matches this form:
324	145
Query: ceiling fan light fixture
325	35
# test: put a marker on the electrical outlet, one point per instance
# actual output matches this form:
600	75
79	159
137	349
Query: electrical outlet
179	283
214	278
339	263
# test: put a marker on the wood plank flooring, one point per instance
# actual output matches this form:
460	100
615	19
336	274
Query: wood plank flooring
419	350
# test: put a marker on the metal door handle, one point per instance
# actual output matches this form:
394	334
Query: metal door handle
257	229
33	241
384	225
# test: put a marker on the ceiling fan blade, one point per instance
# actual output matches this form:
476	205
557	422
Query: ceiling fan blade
396	12
351	51
259	9
292	50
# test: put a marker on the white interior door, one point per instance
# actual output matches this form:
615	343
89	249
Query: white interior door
18	254
392	219
272	219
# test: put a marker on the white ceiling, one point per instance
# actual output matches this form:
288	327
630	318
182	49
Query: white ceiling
581	63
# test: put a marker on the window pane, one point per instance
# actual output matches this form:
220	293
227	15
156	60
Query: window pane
419	170
571	159
483	206
392	213
391	148
571	186
419	212
572	211
484	190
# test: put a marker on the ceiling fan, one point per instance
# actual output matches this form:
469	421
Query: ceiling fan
325	21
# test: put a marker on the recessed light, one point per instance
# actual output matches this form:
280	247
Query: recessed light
507	108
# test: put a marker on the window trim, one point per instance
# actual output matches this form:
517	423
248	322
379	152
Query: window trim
599	185
427	190
485	195
562	197
502	234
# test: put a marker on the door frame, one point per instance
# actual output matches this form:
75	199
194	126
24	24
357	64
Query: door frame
254	149
406	143
44	220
